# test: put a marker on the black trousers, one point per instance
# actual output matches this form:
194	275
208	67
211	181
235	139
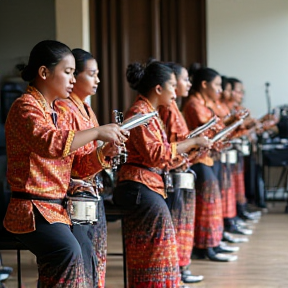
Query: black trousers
59	255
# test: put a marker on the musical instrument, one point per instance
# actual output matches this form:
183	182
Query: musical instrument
183	180
230	128
229	156
128	124
82	201
203	128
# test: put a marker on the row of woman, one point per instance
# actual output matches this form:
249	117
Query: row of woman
147	148
52	135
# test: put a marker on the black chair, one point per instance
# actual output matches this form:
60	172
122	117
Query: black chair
114	212
7	240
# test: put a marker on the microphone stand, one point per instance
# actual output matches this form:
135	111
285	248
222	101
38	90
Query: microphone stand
267	84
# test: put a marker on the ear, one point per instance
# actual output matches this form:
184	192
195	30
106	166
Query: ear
43	72
204	84
158	89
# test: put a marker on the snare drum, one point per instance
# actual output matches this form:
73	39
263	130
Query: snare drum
183	180
83	210
229	156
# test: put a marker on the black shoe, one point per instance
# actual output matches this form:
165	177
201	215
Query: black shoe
229	238
225	249
210	254
248	216
185	278
5	272
234	229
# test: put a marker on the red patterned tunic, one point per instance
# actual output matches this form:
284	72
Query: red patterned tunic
39	162
149	148
77	115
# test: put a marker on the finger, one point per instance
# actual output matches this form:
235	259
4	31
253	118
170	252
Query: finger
125	132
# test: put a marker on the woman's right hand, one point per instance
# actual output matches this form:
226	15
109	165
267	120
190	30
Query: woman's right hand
203	142
112	133
111	150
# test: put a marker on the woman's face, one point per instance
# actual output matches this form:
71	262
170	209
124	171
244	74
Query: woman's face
238	92
214	88
61	79
87	81
227	93
183	84
168	91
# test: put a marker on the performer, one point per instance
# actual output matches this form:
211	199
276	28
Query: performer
76	114
181	202
227	185
209	219
40	158
149	233
238	169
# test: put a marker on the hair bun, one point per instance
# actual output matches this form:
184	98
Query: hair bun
27	73
134	74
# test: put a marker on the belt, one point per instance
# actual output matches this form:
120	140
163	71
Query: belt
27	196
152	169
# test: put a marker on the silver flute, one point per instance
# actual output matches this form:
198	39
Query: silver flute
203	128
223	133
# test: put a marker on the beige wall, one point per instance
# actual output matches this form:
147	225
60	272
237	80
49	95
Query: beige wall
72	23
248	39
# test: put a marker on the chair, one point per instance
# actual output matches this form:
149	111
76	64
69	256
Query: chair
114	212
7	240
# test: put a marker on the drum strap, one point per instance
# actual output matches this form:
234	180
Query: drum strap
27	196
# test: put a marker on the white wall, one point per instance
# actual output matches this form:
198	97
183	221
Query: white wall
248	39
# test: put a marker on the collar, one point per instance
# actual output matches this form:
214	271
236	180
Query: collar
40	98
150	106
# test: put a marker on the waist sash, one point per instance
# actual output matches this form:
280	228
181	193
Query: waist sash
27	196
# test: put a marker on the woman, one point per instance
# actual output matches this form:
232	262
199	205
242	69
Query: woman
40	158
181	202
149	233
208	220
238	169
76	114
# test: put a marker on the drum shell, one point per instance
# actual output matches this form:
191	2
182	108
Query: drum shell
83	210
244	147
229	156
183	180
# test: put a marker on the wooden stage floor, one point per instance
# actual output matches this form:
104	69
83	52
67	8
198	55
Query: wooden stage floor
262	262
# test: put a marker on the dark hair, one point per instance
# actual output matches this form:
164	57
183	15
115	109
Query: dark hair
233	81
224	82
203	74
177	68
81	57
143	78
193	68
46	53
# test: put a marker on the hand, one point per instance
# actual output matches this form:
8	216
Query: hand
203	142
112	133
219	146
111	150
